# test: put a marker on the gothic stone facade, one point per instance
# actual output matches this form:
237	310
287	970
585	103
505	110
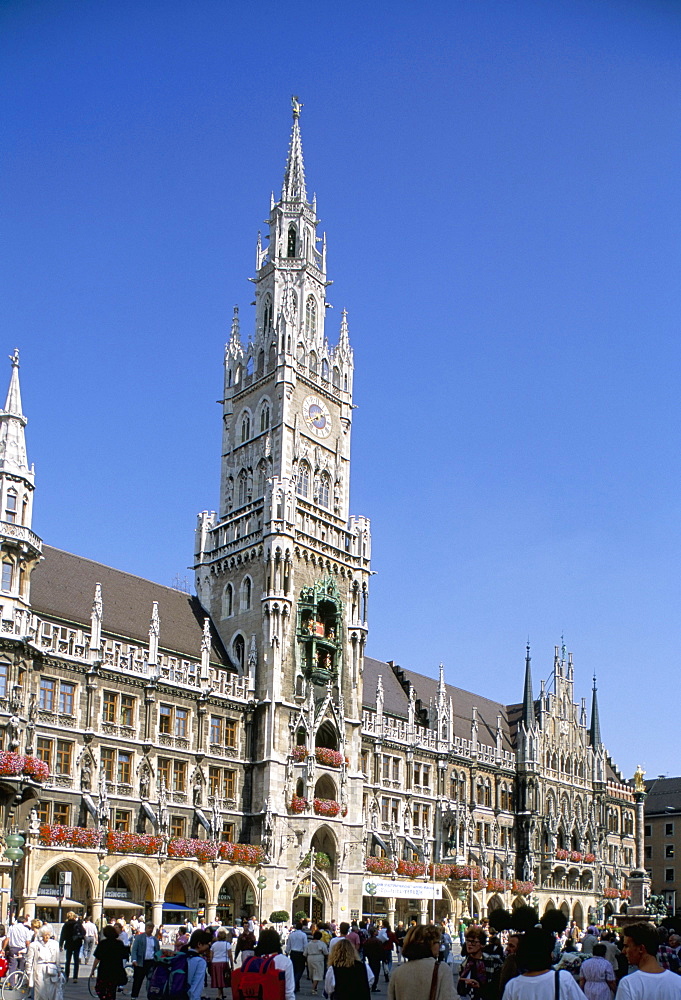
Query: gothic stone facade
249	715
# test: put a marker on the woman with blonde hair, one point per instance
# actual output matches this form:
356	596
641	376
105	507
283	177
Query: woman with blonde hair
346	977
42	966
422	975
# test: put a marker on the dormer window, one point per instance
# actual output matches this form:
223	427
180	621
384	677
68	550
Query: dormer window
291	247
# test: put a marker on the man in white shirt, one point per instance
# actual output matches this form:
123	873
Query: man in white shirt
90	938
651	981
18	937
296	944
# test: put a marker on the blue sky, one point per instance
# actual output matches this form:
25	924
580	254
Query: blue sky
499	184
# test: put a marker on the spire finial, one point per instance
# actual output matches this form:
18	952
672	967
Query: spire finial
296	105
595	727
294	178
528	696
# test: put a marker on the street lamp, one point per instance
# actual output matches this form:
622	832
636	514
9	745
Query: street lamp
103	876
14	854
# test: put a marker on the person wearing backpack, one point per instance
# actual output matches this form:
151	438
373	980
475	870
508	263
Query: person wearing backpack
198	953
268	973
71	940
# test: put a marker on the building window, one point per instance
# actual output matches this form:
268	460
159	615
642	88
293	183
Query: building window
396	768
121	820
648	852
386	768
385	810
669	851
310	317
364	763
66	698
230	734
164	766
43	812
7	574
669	874
228	833
216	729
127	710
3	680
265	417
180	776
177	826
108	761
227	601
181	722
11	507
124	760
291	244
303	487
245	427
165	719
669	829
647	830
246	594
44	748
230	784
214	781
324	489
61	814
109	706
239	648
46	694
64	758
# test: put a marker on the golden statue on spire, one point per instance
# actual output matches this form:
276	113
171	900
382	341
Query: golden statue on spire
639	784
296	105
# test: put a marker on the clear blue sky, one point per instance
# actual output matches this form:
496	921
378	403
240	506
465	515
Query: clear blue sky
499	180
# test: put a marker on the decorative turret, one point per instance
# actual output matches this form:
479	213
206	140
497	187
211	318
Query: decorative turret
595	727
21	549
293	188
528	698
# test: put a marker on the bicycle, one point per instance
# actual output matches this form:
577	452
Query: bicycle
15	986
129	970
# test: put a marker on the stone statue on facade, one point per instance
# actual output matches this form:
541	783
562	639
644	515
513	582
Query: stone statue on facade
197	790
216	818
145	778
14	733
103	801
86	775
162	813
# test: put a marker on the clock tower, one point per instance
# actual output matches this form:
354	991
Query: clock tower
281	567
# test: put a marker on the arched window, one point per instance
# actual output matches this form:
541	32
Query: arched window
324	489
303	484
310	317
272	359
7	574
242	494
267	315
246	588
11	506
262	479
313	362
325	369
300	354
239	650
265	417
245	427
228	601
291	246
261	363
336	377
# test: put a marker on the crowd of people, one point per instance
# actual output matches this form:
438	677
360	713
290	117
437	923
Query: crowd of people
348	961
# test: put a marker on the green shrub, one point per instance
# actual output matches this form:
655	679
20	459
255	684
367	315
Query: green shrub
279	917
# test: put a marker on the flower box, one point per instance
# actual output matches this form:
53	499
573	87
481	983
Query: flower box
589	858
611	893
497	885
55	835
326	807
562	854
299	753
379	866
298	804
576	856
522	888
439	872
464	872
117	842
625	893
321	860
12	765
411	869
329	758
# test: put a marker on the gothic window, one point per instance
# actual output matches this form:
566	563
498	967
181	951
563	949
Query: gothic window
267	315
303	485
462	787
265	417
336	377
488	793
242	488
245	427
261	363
345	383
7	574
239	650
228	601
313	362
246	588
11	506
310	317
291	246
301	354
262	479
324	489
272	360
249	366
325	369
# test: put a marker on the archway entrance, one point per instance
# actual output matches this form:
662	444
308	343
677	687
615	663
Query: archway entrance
236	899
185	898
128	891
301	899
78	897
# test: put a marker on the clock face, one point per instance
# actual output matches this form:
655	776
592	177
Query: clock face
317	416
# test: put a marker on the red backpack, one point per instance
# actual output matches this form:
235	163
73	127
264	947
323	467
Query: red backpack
259	979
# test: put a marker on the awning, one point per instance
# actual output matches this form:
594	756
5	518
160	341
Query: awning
150	814
415	848
181	907
91	807
375	839
66	904
202	820
122	904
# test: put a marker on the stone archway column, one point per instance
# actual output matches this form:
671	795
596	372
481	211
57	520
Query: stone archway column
390	911
423	911
97	912
28	906
211	910
157	912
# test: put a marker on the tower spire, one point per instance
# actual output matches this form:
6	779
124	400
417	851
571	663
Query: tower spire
13	457
595	727
528	699
293	188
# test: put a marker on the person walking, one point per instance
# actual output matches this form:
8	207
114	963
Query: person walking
346	976
71	940
422	975
480	973
373	953
109	959
42	966
91	939
597	976
18	937
144	952
296	944
220	968
315	953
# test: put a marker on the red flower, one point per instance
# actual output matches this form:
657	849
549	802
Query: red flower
379	866
298	804
326	807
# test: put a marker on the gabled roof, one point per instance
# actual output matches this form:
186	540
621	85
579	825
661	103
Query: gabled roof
63	588
396	702
664	795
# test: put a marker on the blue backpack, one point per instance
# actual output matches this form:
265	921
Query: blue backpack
169	979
